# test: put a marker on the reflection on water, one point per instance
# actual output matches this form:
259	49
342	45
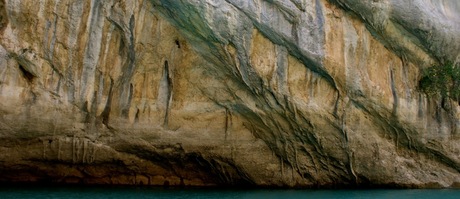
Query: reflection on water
146	192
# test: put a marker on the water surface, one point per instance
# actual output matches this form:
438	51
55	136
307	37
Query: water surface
172	193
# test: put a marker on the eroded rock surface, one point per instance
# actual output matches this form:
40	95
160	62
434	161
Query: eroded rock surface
227	92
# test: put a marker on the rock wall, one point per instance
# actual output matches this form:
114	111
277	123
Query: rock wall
295	93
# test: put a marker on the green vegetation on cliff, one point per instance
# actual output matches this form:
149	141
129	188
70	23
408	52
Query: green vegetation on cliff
442	81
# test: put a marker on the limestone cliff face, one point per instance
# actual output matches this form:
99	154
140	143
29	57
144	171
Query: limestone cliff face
227	92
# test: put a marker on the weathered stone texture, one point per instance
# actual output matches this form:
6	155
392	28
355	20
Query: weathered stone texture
227	92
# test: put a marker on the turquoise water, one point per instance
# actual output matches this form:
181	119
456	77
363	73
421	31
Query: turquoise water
144	192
